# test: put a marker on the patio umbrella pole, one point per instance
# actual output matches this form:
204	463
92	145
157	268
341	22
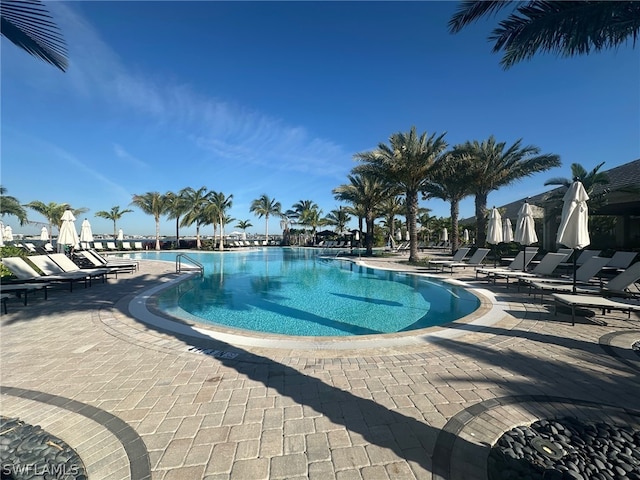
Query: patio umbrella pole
524	259
575	266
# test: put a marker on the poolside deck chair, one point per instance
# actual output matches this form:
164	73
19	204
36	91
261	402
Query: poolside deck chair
523	258
25	272
594	301
67	265
111	246
475	261
621	260
138	245
126	246
545	268
124	264
22	289
458	257
584	276
98	246
47	265
617	286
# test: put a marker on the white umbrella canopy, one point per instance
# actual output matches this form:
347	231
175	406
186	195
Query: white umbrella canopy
507	231
445	235
86	235
68	234
494	230
1	234
44	234
525	230
8	233
574	229
398	235
120	235
406	236
465	236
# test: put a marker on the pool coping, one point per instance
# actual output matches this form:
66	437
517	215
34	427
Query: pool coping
490	311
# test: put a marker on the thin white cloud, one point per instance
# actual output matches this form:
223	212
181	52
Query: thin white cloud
225	130
124	155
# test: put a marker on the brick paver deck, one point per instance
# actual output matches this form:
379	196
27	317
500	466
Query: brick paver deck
138	402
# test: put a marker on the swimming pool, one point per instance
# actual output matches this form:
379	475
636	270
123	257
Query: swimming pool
294	291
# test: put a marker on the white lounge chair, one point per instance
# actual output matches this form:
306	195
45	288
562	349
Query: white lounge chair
545	268
67	265
517	264
138	245
475	261
25	272
595	301
48	265
458	257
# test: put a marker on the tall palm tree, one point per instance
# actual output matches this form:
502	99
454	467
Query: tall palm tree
11	206
244	224
219	203
177	205
28	24
53	212
564	28
365	192
311	218
265	207
406	164
494	165
114	215
197	201
152	203
450	181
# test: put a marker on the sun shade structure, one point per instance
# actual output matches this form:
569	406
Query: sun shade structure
507	231
86	235
44	234
574	229
68	234
494	231
525	228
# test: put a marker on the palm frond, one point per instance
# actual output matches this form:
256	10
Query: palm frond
27	24
471	10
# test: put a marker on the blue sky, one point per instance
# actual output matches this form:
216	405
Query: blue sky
258	97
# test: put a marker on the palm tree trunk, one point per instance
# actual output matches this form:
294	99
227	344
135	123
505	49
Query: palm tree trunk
412	213
221	234
481	219
266	227
157	233
115	233
369	236
198	242
455	211
177	232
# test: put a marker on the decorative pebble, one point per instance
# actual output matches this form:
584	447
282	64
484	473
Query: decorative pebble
29	453
588	451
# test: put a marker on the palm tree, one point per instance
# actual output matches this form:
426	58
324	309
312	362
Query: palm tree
114	215
338	218
365	192
11	206
564	28
406	164
177	205
243	225
265	207
311	218
196	200
27	24
450	181
494	165
152	203
217	211
53	212
390	208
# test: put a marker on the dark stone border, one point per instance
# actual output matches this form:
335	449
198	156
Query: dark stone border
136	450
444	446
605	343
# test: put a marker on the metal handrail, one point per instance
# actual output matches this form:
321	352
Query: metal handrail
194	264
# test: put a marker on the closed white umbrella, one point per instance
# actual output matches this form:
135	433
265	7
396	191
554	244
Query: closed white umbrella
44	234
445	235
465	236
406	236
398	235
494	230
68	234
120	235
1	234
8	233
525	230
86	235
574	228
507	231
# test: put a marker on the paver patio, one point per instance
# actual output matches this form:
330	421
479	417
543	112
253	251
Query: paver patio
138	402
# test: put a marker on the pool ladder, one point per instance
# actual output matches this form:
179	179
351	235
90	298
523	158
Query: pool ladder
185	263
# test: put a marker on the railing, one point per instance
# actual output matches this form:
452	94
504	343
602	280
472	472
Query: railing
185	263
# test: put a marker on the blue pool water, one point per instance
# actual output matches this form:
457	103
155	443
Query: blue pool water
295	292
